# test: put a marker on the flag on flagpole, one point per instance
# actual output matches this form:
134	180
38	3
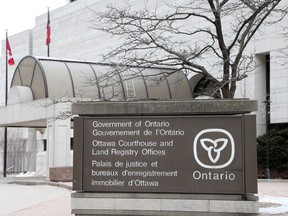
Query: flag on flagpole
9	51
48	27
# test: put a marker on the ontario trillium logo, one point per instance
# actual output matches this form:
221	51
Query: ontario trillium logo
214	148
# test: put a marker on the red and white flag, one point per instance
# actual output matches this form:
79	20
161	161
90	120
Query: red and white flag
48	27
9	53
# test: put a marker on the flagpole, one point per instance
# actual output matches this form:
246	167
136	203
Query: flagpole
48	33
6	99
6	86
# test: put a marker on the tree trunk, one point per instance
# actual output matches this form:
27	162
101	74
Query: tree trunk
226	92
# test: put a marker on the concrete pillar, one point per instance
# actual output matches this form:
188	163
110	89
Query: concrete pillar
31	150
58	140
259	80
58	143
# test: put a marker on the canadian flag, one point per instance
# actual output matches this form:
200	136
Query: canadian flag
48	28
9	52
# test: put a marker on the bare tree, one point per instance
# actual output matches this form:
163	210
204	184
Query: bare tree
187	34
19	152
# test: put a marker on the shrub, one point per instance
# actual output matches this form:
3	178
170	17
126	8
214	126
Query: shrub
277	141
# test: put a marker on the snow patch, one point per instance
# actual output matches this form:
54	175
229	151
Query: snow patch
31	174
281	204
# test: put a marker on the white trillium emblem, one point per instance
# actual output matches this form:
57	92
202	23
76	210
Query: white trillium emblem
223	144
214	147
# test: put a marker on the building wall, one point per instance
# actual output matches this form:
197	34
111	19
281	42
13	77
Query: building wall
70	33
272	40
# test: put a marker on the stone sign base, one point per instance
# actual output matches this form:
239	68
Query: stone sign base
167	144
85	204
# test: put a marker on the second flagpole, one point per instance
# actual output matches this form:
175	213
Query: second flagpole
48	28
6	99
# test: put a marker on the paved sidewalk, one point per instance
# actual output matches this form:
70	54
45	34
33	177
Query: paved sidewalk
55	207
30	196
37	197
278	188
273	197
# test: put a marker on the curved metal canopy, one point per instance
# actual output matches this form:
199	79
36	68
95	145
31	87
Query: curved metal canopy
54	78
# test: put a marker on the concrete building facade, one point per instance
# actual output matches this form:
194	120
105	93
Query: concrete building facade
73	38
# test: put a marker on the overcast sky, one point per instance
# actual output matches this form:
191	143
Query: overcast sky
19	15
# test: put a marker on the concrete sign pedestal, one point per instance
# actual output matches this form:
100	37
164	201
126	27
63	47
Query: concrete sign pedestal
165	158
162	204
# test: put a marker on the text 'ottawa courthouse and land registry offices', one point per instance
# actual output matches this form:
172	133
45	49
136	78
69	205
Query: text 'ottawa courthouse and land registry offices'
157	154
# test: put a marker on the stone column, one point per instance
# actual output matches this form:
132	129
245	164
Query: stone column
31	150
58	144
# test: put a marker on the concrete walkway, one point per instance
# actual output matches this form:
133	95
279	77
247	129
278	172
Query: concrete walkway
36	200
273	197
278	188
36	196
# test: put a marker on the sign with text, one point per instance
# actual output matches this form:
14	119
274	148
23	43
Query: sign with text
171	154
